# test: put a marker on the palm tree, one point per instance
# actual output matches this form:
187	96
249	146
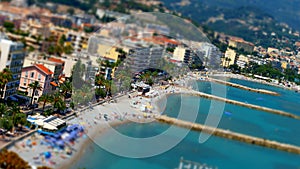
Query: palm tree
5	77
107	85
3	109
58	103
155	75
34	86
122	77
100	80
146	77
47	98
14	109
66	88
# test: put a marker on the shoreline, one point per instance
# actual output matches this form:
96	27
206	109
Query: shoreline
97	129
91	130
86	143
243	77
157	110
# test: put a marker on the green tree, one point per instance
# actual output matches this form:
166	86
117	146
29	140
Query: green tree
147	78
68	49
123	79
100	92
5	77
9	26
62	40
34	86
77	75
47	98
83	95
6	123
58	103
16	116
3	109
66	88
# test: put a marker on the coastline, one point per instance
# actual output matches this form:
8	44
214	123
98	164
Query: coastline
118	114
92	129
86	143
157	110
95	125
243	77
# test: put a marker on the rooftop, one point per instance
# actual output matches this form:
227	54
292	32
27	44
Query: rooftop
43	69
56	60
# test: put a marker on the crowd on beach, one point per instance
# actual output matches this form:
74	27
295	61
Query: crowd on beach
95	119
37	150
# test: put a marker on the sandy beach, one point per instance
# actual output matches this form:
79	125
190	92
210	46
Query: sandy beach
99	118
96	120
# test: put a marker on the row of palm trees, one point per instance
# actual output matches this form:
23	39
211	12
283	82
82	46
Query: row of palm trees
11	116
57	98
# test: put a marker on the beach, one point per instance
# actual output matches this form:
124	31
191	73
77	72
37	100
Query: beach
99	118
95	120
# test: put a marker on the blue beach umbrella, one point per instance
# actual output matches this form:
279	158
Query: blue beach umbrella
47	154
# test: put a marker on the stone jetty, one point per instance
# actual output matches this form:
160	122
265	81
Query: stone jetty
230	135
191	92
263	91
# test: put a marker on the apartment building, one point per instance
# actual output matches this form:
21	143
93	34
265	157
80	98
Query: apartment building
12	56
139	59
36	72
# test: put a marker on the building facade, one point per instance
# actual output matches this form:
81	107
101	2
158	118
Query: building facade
11	57
229	58
143	58
241	44
37	72
53	64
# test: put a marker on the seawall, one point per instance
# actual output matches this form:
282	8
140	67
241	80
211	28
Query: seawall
265	109
230	135
263	91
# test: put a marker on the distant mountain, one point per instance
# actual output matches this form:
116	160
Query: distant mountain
287	11
232	17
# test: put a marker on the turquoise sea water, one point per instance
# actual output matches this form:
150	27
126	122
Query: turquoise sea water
288	100
218	152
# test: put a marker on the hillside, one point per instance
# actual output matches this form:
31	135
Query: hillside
248	22
282	10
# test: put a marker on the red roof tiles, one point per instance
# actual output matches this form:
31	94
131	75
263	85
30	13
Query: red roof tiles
43	69
56	60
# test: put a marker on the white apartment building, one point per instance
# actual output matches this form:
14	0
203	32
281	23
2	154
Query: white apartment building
143	58
12	57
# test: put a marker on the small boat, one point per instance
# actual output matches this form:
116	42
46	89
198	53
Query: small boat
227	113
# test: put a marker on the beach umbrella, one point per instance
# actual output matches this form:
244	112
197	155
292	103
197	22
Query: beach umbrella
47	154
60	143
73	134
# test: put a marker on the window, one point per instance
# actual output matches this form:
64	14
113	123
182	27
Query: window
26	74
32	74
39	77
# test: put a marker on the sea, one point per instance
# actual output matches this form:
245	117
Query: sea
215	152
